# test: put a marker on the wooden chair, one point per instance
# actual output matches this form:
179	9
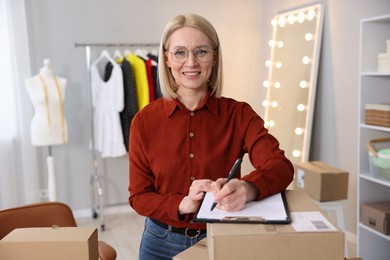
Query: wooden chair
45	214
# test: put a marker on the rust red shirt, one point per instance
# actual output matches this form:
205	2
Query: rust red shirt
171	146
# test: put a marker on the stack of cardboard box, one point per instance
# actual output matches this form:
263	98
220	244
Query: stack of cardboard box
317	239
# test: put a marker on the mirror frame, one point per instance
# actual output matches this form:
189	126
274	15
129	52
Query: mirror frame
290	41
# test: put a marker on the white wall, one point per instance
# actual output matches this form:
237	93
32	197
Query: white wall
56	25
244	31
336	120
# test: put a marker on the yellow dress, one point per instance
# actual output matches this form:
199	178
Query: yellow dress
141	79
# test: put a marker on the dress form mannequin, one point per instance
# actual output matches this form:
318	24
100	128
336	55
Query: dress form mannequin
48	125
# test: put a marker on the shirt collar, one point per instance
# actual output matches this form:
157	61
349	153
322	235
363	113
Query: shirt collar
211	102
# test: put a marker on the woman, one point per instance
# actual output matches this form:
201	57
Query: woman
185	143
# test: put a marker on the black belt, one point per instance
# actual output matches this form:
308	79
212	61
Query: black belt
188	232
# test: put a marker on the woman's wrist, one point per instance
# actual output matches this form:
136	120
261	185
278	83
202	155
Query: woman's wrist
251	191
183	208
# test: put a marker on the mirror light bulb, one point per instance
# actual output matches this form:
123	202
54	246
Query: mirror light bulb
272	43
308	36
291	19
277	84
311	14
305	60
298	131
278	64
274	22
266	83
282	21
265	103
268	63
301	17
303	84
296	153
274	104
301	107
271	123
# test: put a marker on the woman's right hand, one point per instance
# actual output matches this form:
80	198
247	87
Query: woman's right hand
191	202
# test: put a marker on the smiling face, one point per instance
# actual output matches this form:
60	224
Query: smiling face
192	75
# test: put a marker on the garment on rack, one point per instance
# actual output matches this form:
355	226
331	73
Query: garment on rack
149	72
107	101
157	90
130	97
141	80
148	68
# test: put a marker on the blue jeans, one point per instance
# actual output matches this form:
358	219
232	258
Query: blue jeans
159	243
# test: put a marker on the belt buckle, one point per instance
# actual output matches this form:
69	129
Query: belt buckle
189	235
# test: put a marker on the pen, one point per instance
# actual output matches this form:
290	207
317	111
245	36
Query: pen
230	176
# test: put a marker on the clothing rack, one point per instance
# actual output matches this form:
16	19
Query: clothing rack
96	184
116	44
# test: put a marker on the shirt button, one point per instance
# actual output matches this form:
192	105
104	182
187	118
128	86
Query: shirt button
192	113
191	134
192	178
192	155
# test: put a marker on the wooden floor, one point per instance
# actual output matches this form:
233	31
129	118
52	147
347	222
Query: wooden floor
123	229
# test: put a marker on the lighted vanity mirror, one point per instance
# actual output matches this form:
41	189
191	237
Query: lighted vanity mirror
292	78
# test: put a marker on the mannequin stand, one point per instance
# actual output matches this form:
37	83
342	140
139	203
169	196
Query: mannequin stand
51	180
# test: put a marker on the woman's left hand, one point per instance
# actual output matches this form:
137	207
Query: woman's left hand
191	202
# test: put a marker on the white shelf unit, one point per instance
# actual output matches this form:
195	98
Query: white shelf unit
374	87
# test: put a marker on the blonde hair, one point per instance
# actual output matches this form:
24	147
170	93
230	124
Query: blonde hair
167	82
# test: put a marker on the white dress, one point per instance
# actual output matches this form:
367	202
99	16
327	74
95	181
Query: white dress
108	101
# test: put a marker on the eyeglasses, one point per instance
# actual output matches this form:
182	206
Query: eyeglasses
203	54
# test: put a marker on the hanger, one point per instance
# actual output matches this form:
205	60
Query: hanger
153	53
104	55
117	55
127	53
141	54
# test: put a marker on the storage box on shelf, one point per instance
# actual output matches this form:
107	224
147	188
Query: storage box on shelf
374	88
376	215
378	114
384	59
380	158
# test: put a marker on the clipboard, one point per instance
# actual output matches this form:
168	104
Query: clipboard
271	210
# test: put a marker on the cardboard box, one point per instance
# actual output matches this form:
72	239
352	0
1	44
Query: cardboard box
321	181
196	252
50	243
277	242
377	216
200	252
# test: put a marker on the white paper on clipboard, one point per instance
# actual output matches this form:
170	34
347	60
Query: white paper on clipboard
269	209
